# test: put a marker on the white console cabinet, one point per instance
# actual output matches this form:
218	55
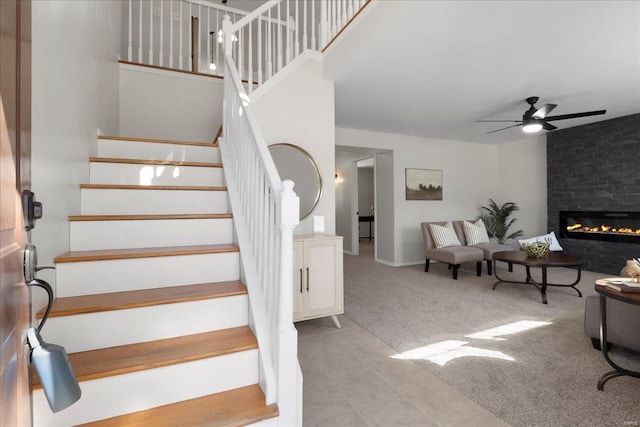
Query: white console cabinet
318	277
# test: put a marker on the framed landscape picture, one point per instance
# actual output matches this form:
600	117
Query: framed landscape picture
423	184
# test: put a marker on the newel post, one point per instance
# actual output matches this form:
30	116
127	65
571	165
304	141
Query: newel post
287	217
289	388
227	36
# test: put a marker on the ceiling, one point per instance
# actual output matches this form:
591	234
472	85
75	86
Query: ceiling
432	68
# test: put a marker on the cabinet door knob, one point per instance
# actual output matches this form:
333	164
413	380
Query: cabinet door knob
307	279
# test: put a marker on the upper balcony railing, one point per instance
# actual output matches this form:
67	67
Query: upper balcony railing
187	34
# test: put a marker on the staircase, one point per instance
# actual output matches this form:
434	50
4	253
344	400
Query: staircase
149	303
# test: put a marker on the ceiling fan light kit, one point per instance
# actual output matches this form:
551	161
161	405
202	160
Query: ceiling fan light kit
536	119
531	125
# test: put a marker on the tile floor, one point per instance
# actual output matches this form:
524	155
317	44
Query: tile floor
351	378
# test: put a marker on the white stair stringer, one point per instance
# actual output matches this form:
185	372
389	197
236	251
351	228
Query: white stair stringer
145	174
98	201
130	392
155	151
118	275
152	233
90	331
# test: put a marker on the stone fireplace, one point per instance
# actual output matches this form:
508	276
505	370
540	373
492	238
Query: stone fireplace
593	179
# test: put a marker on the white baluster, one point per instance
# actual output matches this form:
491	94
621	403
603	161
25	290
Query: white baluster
269	53
259	50
190	32
234	52
150	32
161	55
171	35
304	27
200	45
180	41
226	31
343	19
140	60
280	44
215	39
350	9
239	43
209	56
334	19
324	24
296	35
250	59
287	34
130	48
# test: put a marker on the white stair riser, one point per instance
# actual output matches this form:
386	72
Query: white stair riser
155	151
115	202
137	391
134	174
98	277
91	331
97	235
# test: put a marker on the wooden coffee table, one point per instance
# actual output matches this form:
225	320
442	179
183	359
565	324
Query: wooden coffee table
552	259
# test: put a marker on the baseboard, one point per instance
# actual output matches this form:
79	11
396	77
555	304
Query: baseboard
350	253
399	264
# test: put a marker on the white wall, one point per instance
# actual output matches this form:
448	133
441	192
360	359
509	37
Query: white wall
168	105
385	225
345	208
74	96
469	179
299	110
522	178
472	174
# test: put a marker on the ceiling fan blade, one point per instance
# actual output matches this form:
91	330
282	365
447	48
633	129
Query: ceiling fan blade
575	115
542	112
498	121
548	126
508	127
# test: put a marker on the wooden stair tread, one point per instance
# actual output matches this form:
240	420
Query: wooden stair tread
152	187
147	217
123	359
95	303
153	162
237	407
157	141
111	254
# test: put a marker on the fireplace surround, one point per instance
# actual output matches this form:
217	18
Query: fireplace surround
593	170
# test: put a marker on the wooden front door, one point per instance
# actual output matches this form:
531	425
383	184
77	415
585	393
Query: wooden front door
15	154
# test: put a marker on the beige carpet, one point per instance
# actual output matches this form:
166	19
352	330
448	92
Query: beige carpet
536	369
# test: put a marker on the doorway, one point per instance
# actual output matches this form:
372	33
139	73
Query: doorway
366	206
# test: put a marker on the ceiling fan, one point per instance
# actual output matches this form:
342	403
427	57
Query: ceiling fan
535	119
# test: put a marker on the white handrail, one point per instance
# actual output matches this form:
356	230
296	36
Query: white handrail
266	209
285	29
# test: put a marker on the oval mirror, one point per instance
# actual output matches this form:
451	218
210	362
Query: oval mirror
296	164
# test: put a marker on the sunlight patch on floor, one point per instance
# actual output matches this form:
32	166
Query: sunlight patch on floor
508	329
446	351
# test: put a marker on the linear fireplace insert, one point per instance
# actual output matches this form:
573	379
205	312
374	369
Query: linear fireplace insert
612	226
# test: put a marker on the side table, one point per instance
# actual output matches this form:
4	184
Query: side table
629	298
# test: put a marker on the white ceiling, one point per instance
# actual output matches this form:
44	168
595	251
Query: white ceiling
432	68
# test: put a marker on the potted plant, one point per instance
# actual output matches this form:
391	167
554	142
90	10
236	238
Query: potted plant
496	220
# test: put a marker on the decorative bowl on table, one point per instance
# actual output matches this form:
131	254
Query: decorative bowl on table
536	249
633	269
